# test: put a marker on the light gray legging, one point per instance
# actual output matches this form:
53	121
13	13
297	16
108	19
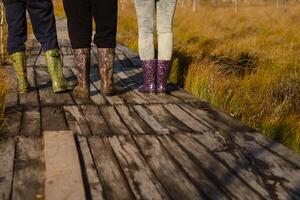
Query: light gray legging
146	10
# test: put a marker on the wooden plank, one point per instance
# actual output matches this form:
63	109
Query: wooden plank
35	57
113	180
31	122
220	116
31	98
63	173
275	148
272	167
131	94
128	93
76	120
151	120
171	122
133	121
95	189
29	167
47	96
186	118
96	121
184	96
200	177
237	158
7	152
142	181
170	175
204	117
53	119
238	189
113	120
12	123
12	94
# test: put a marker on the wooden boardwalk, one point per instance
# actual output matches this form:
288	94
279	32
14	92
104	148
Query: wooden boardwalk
131	146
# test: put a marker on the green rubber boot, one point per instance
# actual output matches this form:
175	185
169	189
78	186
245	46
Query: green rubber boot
19	63
59	84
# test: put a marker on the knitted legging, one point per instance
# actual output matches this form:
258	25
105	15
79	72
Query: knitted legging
146	10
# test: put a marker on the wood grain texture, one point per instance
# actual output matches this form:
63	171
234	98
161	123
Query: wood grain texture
96	121
113	120
76	120
7	153
53	119
12	124
142	181
29	168
31	122
12	94
63	173
114	181
95	189
179	186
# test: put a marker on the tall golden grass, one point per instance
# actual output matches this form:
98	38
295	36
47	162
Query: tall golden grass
245	63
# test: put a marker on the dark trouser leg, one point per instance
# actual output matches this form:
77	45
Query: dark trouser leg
79	16
105	13
17	29
43	23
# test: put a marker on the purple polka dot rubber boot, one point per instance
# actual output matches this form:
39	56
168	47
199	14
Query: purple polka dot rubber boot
162	76
149	71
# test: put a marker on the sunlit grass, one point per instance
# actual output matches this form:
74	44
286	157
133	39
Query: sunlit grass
244	63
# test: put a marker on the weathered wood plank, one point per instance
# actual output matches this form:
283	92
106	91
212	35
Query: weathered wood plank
131	95
31	122
96	121
237	158
186	118
12	94
204	117
31	98
142	181
150	120
170	175
275	147
7	153
274	169
171	122
95	189
47	96
200	177
53	119
63	173
76	120
133	121
113	120
237	188
29	167
12	123
114	182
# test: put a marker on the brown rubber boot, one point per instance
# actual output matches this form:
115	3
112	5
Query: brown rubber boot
82	60
106	58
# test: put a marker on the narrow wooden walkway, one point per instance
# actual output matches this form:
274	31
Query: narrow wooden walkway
131	146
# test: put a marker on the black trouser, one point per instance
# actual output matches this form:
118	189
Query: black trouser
80	14
42	20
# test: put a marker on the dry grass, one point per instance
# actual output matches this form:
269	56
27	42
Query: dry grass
244	63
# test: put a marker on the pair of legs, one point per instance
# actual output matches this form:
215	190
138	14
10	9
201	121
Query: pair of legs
44	29
155	72
80	14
